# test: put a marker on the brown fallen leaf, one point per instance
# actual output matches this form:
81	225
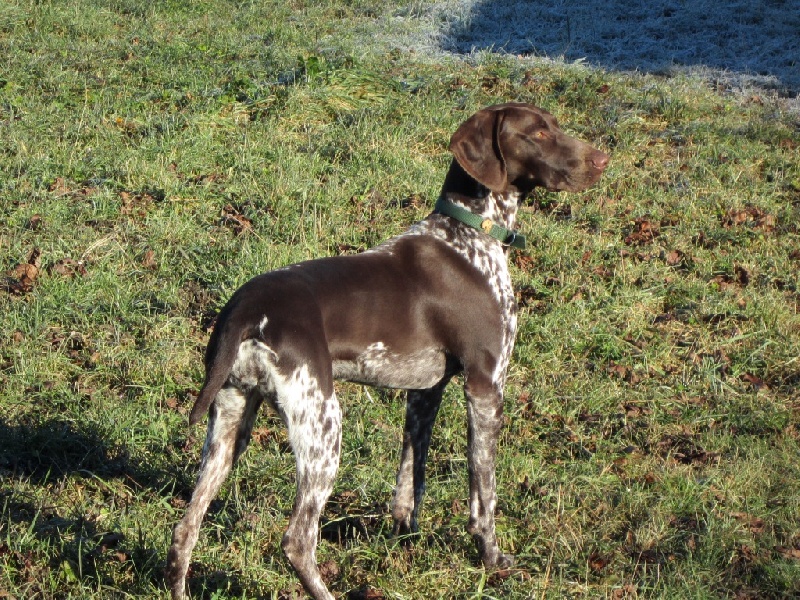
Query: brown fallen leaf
742	275
34	223
68	267
524	261
597	562
149	260
623	372
749	216
22	277
329	570
232	218
755	381
674	258
25	271
740	278
135	204
643	232
626	591
788	553
754	524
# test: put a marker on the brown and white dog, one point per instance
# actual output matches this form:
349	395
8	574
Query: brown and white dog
409	314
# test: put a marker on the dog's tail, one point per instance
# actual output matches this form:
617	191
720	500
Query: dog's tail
220	356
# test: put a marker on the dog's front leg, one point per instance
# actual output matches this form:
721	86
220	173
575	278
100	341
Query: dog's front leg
422	407
485	418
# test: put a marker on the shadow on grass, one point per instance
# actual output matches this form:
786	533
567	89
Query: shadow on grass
54	449
58	456
748	39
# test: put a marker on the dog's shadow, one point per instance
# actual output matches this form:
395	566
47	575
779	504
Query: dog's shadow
52	450
59	453
62	456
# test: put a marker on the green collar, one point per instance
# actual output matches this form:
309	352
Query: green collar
508	237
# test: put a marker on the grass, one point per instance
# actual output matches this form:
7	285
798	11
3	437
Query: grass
155	155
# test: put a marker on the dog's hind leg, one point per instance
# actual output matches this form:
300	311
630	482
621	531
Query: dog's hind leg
422	406
314	422
229	426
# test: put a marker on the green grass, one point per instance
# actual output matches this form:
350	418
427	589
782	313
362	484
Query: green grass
158	154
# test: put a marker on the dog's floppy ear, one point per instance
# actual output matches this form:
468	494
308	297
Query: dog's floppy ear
476	147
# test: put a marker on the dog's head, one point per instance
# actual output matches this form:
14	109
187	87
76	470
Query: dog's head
516	147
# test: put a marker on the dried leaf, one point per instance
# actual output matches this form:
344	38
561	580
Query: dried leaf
643	232
497	577
524	261
232	218
742	275
135	204
25	271
68	267
59	186
788	553
149	260
412	201
622	372
756	525
603	272
598	562
329	570
22	277
674	258
34	223
750	216
755	381
626	591
726	281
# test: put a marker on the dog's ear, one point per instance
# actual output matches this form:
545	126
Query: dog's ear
476	147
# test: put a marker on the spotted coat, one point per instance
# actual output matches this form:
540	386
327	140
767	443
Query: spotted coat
411	313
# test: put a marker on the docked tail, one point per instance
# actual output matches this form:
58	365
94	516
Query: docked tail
220	357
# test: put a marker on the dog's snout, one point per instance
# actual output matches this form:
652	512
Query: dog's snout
599	160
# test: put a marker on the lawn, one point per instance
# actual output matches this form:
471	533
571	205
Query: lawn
156	155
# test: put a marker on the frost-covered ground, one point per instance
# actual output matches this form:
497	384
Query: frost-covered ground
746	43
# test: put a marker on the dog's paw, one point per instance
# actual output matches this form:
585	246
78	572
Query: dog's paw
497	560
405	527
505	561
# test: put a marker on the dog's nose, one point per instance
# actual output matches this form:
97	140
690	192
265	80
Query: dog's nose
600	160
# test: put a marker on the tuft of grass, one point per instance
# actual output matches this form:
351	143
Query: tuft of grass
154	156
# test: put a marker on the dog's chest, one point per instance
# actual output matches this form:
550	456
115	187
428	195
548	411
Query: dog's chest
489	258
483	253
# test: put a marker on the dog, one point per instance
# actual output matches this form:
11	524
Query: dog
408	314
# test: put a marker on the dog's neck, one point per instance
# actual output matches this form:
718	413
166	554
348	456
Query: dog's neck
460	188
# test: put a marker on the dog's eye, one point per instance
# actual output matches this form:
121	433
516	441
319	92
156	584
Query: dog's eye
541	135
